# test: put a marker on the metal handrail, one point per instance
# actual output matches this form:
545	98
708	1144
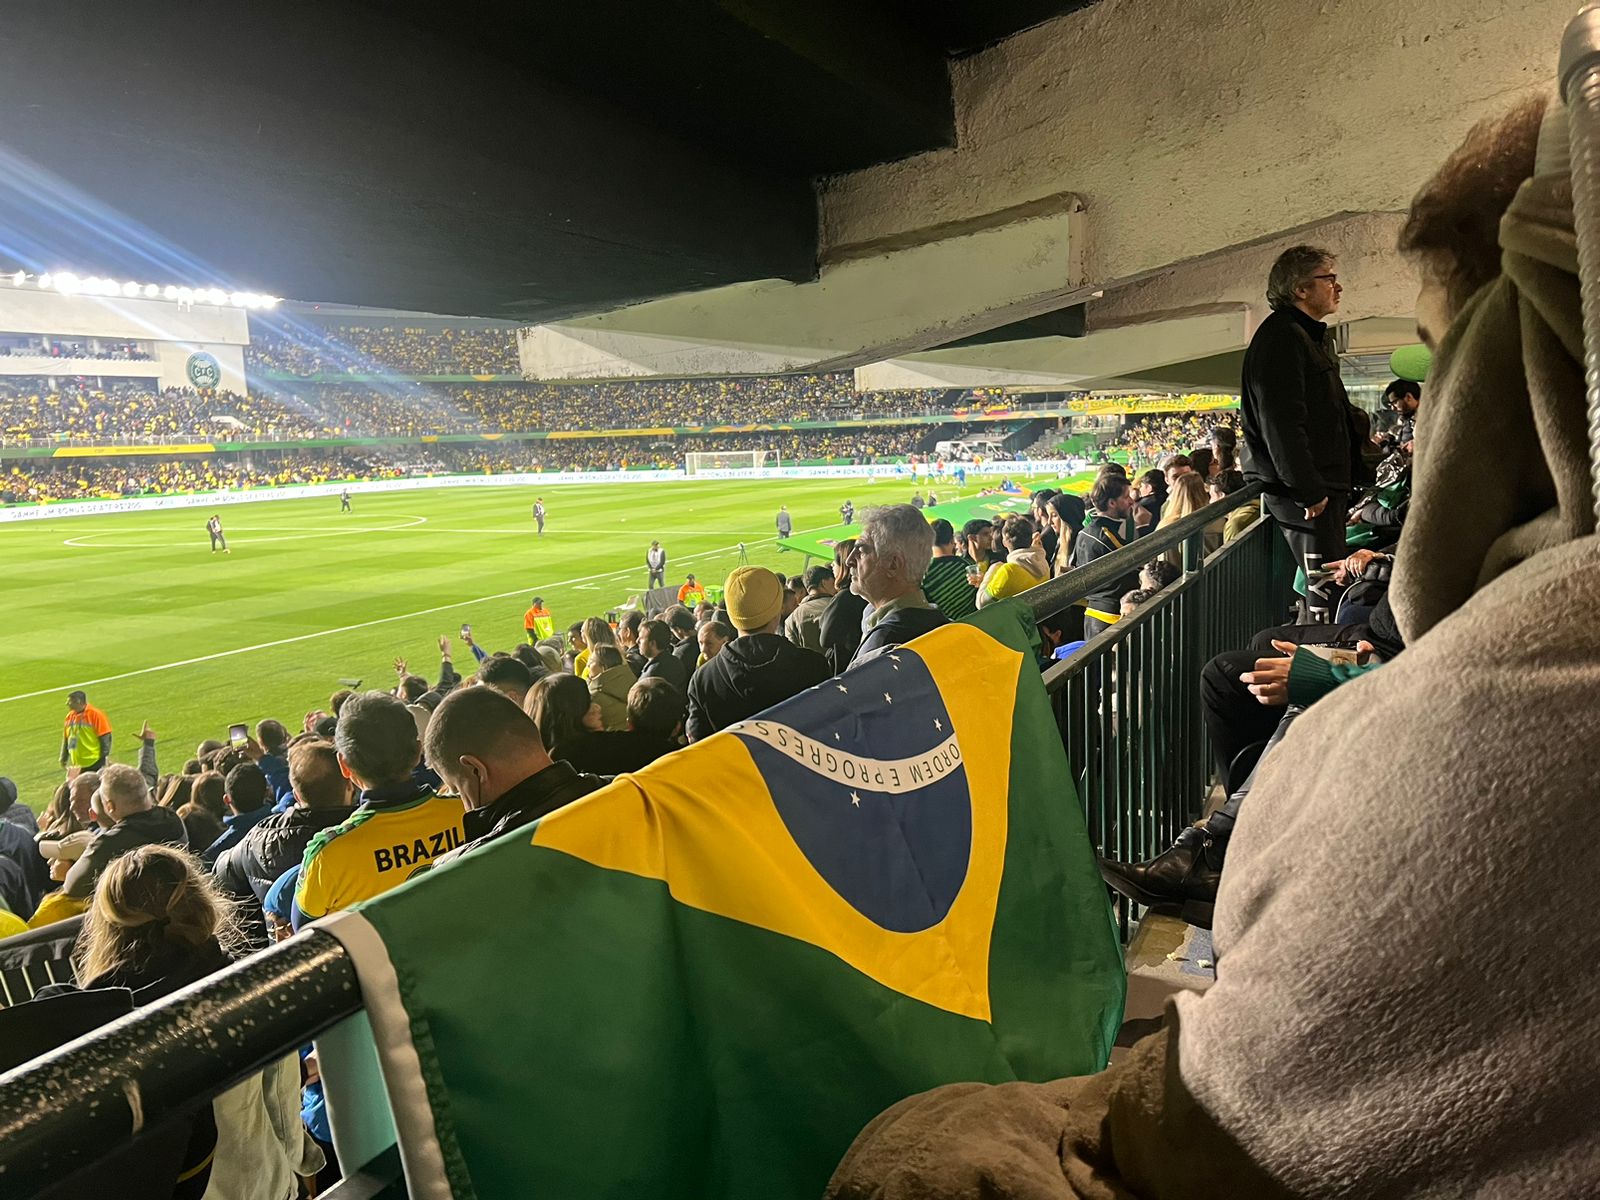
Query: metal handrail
1056	595
61	1111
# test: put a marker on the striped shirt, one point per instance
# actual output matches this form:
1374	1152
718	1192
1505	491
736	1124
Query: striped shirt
946	586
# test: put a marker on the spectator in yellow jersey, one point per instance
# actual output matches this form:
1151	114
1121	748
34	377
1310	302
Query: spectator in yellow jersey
399	827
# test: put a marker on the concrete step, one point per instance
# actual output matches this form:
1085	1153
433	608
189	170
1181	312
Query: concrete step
1164	957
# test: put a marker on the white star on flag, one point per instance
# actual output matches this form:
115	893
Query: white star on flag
938	724
844	689
855	799
888	699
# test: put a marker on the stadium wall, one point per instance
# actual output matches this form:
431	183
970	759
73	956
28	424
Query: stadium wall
86	508
195	345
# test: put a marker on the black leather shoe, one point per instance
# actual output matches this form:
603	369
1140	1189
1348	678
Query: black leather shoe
1180	883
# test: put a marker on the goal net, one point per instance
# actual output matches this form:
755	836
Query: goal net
696	461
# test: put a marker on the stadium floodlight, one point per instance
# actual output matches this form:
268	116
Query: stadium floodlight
69	283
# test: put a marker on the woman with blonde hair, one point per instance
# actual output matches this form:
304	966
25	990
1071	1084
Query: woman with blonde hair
596	632
1188	497
158	923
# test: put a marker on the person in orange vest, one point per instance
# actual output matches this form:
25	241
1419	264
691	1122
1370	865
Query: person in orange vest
691	593
537	622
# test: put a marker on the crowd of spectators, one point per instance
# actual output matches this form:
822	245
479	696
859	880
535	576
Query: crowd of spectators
31	411
102	349
48	480
35	410
417	409
384	350
1148	440
32	481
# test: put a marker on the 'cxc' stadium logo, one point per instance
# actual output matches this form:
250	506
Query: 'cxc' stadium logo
203	370
867	774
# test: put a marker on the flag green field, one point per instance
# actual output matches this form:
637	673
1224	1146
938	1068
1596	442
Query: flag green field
700	982
134	609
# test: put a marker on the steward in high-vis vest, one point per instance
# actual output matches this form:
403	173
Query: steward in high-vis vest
537	622
1113	502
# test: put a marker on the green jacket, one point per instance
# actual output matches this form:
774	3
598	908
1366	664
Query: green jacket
1312	677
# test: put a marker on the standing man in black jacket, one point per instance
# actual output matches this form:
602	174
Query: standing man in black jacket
1300	431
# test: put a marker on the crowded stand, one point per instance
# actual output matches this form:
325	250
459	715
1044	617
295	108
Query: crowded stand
1147	440
418	409
99	349
31	411
386	349
826	446
50	480
35	481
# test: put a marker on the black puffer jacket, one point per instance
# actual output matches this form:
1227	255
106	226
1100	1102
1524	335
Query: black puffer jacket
272	847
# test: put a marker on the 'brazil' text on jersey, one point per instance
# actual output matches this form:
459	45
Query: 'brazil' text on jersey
381	845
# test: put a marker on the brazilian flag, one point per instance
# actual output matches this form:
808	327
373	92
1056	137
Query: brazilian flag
704	979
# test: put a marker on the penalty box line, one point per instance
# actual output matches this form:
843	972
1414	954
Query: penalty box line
321	633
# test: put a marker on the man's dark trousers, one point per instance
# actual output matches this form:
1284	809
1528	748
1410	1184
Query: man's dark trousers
1323	534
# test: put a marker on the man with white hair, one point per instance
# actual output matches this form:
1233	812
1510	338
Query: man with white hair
127	819
890	558
1302	438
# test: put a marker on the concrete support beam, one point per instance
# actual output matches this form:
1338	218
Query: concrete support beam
1189	128
1136	340
1056	364
899	296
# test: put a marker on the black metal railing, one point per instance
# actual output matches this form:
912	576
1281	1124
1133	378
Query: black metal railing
1128	703
62	1111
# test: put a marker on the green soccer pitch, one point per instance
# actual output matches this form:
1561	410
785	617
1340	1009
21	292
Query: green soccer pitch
135	609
